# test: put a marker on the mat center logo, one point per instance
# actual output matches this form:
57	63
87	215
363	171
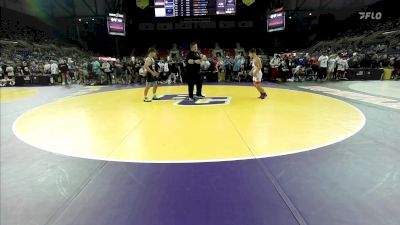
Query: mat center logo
183	100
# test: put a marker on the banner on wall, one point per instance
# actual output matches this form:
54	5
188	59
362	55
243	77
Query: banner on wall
142	3
248	2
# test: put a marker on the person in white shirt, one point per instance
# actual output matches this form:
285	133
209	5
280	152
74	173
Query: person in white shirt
106	68
322	66
46	68
10	71
54	72
331	66
275	62
342	66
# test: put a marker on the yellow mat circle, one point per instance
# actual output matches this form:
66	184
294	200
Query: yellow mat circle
119	126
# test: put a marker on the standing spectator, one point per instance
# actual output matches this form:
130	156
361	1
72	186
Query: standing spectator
396	69
9	70
47	68
167	71
275	62
331	67
54	72
129	71
25	71
118	71
237	65
71	68
175	71
136	68
64	72
228	68
342	66
84	73
323	64
125	75
96	70
3	67
314	65
91	73
106	68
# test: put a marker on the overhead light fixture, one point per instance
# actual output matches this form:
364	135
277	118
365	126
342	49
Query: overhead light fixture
310	14
290	17
92	18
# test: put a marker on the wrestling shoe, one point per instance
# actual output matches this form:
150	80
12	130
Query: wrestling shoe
263	95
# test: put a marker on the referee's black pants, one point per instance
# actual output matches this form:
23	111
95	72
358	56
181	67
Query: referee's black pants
195	80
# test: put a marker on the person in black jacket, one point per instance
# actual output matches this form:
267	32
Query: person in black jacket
193	61
64	71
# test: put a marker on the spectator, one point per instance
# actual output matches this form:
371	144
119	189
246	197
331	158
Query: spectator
64	72
342	66
54	72
96	71
125	75
106	68
396	69
47	68
331	67
284	69
175	70
322	66
275	62
9	70
299	73
136	68
25	71
237	65
228	68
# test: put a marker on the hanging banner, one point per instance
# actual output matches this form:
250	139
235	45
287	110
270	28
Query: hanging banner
142	3
248	2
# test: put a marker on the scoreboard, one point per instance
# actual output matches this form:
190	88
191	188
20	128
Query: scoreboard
116	24
276	20
188	8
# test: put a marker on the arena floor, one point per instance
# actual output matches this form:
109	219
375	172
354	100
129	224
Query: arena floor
311	153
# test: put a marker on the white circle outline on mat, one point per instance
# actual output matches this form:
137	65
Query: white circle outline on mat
200	161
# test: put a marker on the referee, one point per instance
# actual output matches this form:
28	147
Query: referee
193	61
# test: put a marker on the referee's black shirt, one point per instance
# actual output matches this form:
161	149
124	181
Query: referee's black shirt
192	69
